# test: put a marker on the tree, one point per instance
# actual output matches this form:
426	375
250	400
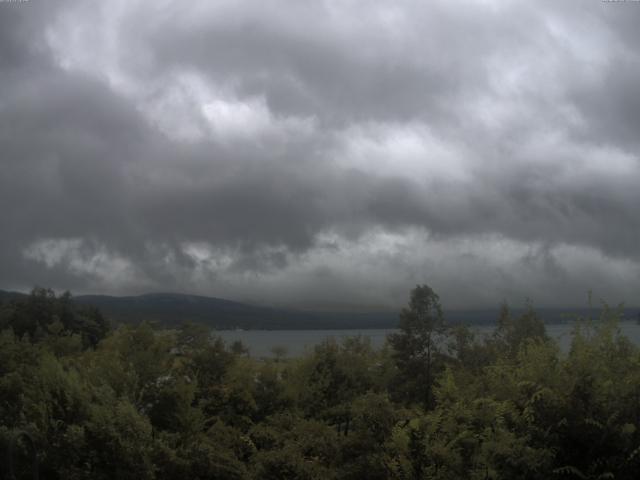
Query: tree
512	333
42	313
239	348
417	345
279	352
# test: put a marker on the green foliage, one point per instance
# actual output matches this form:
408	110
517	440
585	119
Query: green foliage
512	333
435	403
291	447
42	314
417	348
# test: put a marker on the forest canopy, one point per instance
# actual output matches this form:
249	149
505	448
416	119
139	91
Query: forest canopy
436	402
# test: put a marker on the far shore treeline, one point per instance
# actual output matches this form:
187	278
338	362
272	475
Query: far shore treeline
143	402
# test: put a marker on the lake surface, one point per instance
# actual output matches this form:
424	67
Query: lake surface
298	342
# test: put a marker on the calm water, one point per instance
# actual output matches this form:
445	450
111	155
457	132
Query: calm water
297	342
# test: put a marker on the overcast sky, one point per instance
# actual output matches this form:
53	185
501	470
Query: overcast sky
291	151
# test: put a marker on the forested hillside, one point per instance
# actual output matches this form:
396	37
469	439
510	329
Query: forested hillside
171	309
434	403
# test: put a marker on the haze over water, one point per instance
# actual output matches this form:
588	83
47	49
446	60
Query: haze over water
298	342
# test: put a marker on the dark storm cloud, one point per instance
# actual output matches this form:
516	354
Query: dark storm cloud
231	145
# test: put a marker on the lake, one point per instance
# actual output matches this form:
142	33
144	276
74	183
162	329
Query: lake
297	342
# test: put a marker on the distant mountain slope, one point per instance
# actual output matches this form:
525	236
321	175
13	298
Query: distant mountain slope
173	309
6	296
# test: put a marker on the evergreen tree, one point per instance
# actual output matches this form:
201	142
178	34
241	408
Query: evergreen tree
417	347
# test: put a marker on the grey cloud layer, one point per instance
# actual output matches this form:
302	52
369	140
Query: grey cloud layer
284	151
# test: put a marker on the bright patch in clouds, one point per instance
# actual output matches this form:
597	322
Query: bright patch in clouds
81	258
404	150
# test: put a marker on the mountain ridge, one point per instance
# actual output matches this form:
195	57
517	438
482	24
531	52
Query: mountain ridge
171	309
